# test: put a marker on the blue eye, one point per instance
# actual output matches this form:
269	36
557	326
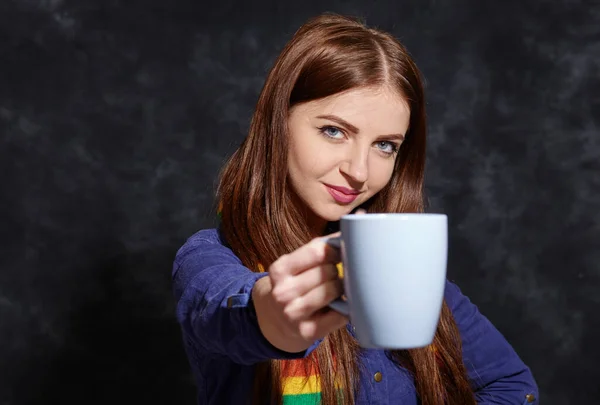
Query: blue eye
331	132
387	147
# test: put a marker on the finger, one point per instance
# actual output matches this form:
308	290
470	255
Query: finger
321	325
291	288
360	211
332	235
333	239
308	256
314	300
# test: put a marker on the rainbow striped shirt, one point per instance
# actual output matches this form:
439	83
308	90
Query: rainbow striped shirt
301	383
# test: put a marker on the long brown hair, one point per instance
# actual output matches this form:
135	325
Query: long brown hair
260	221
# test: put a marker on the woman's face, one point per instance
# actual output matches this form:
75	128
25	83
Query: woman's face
342	149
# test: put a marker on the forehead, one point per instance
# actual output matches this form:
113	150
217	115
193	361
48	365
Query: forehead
375	109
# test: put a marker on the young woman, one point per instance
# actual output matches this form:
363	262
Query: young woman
339	126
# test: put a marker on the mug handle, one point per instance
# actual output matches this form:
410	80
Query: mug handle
338	304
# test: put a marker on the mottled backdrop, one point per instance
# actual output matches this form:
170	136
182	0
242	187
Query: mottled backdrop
115	117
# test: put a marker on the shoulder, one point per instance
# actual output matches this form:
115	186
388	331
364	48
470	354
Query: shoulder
471	323
460	305
203	239
204	253
204	236
205	243
453	294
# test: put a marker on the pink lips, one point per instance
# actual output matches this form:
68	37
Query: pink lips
342	195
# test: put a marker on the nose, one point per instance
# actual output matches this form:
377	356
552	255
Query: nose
356	165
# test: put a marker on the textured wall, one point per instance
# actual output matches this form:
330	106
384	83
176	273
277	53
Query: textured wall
115	117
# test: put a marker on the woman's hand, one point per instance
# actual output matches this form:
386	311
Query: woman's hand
291	302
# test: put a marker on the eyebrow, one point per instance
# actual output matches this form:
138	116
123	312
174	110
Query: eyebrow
351	127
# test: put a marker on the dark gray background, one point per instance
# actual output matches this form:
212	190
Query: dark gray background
115	117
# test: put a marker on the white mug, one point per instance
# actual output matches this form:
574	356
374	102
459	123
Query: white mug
394	277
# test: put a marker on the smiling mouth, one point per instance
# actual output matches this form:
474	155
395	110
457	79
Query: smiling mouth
342	195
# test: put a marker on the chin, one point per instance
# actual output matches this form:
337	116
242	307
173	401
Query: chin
334	214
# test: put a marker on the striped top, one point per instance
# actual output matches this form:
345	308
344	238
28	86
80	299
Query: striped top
301	383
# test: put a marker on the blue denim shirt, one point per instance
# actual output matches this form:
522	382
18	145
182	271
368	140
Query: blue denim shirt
223	341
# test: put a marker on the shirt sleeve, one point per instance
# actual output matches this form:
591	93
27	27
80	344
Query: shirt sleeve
496	372
214	307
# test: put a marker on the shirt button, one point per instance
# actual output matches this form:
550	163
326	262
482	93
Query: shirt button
530	398
378	377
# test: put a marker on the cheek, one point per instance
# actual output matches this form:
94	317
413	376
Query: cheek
381	175
310	158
